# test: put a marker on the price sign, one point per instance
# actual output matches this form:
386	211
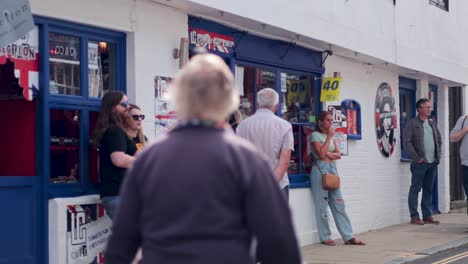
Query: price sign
330	89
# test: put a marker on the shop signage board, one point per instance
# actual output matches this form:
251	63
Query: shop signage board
211	41
88	232
164	110
341	128
330	89
24	53
385	119
16	20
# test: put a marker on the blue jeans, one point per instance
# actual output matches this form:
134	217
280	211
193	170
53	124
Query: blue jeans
332	198
465	180
110	204
423	175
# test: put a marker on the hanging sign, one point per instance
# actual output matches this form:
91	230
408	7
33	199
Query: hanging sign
341	128
24	54
385	119
15	20
211	41
330	89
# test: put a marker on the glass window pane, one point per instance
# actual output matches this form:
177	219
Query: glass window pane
101	67
93	175
64	146
64	64
294	161
298	97
247	103
266	79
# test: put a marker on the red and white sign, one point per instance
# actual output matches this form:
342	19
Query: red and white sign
24	53
211	40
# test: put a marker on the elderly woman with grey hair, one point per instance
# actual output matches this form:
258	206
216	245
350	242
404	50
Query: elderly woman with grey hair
199	193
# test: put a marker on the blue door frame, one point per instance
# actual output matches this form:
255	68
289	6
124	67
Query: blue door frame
434	114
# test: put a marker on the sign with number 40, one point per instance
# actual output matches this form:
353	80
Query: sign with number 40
330	89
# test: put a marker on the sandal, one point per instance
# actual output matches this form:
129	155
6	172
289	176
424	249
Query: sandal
329	242
355	241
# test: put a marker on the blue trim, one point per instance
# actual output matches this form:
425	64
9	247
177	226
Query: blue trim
346	104
405	83
407	88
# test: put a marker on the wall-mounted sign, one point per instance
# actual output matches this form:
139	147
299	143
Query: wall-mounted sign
164	110
24	53
352	109
211	40
341	128
385	119
15	20
330	89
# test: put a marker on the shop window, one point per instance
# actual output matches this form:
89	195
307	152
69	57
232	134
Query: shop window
249	81
101	67
64	146
245	76
64	64
298	107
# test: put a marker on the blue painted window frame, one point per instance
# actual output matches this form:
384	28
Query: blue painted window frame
83	102
407	87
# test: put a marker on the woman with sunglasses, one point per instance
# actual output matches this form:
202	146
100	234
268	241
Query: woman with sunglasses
134	129
116	148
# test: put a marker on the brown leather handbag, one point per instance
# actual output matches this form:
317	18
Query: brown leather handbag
330	181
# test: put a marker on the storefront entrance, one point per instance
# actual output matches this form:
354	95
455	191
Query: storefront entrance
51	82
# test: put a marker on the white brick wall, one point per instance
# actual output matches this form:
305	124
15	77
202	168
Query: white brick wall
374	187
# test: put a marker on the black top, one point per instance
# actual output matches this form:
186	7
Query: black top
197	195
114	139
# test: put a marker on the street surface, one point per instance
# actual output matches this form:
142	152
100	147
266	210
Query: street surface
456	255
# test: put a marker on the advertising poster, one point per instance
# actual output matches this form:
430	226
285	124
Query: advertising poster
330	89
385	119
88	230
24	54
164	111
341	127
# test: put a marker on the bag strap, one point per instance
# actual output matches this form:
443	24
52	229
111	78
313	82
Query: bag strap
318	167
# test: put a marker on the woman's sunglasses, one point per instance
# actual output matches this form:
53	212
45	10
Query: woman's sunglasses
124	104
136	117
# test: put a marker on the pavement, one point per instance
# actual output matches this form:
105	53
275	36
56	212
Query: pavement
395	244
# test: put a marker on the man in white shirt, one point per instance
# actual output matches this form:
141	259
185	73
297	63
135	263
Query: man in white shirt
271	135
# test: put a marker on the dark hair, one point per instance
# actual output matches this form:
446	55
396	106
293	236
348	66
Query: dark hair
107	117
322	117
141	137
421	101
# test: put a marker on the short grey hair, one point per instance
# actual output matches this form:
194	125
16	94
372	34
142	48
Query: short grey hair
204	89
267	97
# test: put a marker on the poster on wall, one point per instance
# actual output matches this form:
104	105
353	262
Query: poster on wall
88	230
164	110
330	89
341	128
385	119
24	55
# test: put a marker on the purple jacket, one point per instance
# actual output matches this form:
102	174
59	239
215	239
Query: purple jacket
197	196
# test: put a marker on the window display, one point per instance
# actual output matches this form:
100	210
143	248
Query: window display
297	92
101	67
64	64
64	146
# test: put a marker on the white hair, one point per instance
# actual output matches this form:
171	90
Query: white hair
204	89
267	98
